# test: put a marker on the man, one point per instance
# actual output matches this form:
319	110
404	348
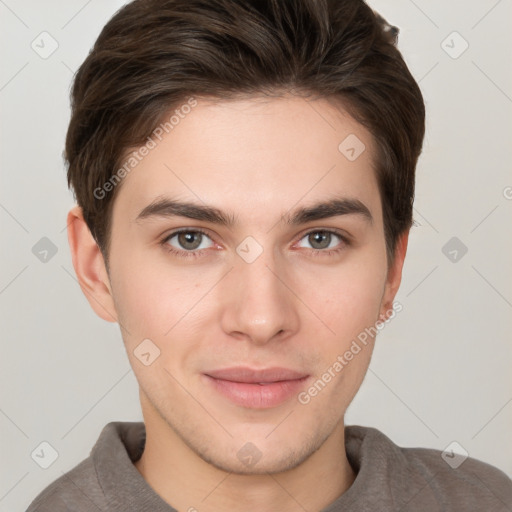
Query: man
244	172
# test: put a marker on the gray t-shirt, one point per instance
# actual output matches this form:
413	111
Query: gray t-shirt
389	478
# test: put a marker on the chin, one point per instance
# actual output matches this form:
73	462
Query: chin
261	456
259	465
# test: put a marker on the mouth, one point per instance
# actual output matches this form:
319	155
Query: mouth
256	389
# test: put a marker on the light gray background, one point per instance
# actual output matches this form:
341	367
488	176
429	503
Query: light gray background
441	368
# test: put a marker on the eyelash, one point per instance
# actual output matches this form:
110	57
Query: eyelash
197	253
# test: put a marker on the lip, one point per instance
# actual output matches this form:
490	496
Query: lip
256	388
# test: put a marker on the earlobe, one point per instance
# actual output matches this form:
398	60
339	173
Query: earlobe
89	266
394	276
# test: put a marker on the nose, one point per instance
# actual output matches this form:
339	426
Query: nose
259	303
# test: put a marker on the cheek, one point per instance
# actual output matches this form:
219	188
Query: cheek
157	306
346	297
159	302
145	301
349	304
139	303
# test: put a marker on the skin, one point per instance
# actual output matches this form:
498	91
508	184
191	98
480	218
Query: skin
293	307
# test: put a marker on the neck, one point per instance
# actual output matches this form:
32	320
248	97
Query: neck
188	483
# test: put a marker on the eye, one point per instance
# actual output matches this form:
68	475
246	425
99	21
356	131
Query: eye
187	241
320	240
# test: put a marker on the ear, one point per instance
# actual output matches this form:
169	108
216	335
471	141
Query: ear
394	276
90	267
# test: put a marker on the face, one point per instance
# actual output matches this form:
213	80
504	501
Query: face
246	317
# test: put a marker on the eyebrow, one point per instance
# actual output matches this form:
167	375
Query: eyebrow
166	207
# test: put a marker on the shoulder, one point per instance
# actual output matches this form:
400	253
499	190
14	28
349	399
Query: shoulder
460	479
77	490
90	485
444	480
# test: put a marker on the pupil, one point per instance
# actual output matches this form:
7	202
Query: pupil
317	238
187	240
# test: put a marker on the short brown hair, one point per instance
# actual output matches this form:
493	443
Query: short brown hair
154	54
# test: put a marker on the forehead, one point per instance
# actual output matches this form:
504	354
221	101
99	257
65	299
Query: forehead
256	156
